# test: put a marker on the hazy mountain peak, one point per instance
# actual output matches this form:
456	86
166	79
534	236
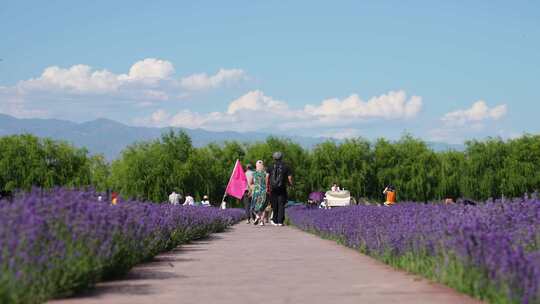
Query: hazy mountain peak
110	137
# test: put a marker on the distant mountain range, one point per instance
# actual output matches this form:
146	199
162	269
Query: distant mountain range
109	137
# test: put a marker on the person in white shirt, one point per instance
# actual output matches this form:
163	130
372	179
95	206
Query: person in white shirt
174	198
205	202
335	188
189	201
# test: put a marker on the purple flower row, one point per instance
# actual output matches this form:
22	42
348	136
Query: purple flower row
502	241
61	241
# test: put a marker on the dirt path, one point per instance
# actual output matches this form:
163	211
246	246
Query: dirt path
267	265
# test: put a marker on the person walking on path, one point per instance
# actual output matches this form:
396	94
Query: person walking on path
258	198
278	177
246	199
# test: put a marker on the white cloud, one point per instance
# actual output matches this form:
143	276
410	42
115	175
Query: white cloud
203	82
250	112
159	117
12	103
151	68
147	83
84	80
256	101
143	74
255	111
22	112
393	105
76	79
477	113
462	124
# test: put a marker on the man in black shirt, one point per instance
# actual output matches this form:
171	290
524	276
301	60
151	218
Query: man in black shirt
278	177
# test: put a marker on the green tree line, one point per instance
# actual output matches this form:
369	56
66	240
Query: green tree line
27	161
151	170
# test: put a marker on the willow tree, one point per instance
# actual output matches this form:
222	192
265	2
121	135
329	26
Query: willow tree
151	170
483	177
27	161
521	167
450	175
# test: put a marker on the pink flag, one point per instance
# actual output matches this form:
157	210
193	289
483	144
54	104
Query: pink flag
238	182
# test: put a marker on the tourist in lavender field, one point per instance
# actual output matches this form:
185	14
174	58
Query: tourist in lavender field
449	201
205	202
258	198
390	193
114	198
246	199
189	201
174	198
278	177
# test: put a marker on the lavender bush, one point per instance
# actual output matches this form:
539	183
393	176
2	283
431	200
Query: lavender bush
491	251
56	243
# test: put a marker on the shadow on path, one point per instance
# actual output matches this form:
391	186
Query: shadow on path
141	279
273	265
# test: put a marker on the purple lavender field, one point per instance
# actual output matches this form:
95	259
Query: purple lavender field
57	243
490	251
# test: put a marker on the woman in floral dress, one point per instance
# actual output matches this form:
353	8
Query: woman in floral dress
258	199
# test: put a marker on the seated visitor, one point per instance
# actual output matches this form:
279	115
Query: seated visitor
205	202
449	201
174	198
189	201
390	193
114	198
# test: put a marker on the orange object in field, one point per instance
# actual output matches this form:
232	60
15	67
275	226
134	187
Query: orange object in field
114	200
391	197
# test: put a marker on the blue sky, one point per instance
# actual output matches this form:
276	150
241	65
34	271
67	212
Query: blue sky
346	68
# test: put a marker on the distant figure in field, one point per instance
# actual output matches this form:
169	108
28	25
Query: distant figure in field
390	193
7	195
258	199
449	201
246	199
174	198
278	178
114	198
189	201
468	202
335	188
205	202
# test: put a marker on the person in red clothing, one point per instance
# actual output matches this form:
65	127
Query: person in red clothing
114	198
